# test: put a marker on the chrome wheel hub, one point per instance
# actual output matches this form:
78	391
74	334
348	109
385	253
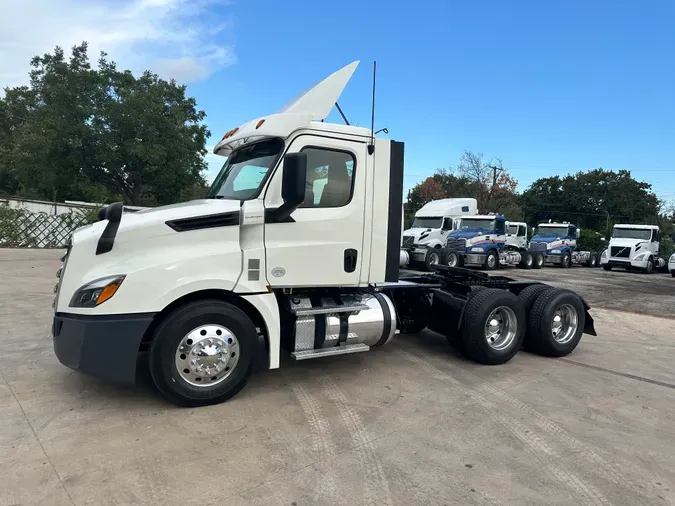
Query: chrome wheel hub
433	259
564	324
501	327
207	355
491	261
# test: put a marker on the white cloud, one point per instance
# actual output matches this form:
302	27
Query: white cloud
182	39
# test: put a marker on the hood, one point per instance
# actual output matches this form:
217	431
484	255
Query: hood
468	233
545	238
624	242
152	221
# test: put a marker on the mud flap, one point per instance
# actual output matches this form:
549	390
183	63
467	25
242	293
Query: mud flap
589	326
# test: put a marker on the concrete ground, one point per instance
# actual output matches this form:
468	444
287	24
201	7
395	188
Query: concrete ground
409	424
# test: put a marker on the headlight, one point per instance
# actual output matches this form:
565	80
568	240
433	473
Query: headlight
672	259
476	250
640	257
555	251
96	292
604	254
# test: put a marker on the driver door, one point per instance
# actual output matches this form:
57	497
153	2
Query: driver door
321	244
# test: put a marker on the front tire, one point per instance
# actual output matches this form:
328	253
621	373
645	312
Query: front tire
491	260
650	266
432	258
607	267
556	323
492	327
202	353
566	261
538	261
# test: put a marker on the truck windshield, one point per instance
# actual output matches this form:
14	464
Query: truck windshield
632	233
560	231
245	169
427	222
479	224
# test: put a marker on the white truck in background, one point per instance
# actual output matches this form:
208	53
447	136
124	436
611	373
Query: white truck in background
423	241
634	247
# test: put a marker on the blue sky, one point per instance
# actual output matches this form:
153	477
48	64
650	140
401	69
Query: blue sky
550	87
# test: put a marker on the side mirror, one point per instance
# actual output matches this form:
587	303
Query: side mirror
294	179
673	237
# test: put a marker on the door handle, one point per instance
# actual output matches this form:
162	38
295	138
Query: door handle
350	260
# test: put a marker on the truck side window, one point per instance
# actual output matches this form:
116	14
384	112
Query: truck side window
330	177
447	223
522	231
499	227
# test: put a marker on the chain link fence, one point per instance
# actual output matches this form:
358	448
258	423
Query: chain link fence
21	228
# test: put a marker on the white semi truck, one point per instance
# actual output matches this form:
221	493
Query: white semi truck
558	243
295	250
671	265
633	247
489	241
423	241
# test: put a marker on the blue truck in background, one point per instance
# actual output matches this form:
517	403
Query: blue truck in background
558	243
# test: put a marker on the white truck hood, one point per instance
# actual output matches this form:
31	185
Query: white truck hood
153	220
623	242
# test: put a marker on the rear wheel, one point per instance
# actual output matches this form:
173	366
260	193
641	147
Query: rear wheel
591	261
556	323
597	259
492	326
202	353
527	260
527	297
538	261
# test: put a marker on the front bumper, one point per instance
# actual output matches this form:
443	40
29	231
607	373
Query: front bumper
104	346
624	263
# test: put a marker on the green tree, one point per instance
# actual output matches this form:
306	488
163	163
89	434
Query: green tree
593	200
100	134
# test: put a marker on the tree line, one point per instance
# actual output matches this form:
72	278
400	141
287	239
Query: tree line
594	200
100	134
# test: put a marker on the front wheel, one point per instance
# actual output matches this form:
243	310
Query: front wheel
491	260
650	266
432	258
557	321
202	353
607	267
492	326
566	261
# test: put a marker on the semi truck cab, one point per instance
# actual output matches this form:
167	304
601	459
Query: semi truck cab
478	240
430	228
295	250
633	247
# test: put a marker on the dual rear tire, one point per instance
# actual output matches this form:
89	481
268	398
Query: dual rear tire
495	324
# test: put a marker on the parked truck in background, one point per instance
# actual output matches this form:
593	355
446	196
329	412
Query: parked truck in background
558	243
488	241
634	247
294	252
423	241
671	265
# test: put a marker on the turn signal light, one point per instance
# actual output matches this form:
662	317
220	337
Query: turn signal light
259	124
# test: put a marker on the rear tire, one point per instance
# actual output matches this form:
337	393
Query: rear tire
538	261
218	340
597	259
556	323
527	261
492	326
527	297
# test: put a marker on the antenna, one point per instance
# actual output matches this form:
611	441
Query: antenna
371	147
